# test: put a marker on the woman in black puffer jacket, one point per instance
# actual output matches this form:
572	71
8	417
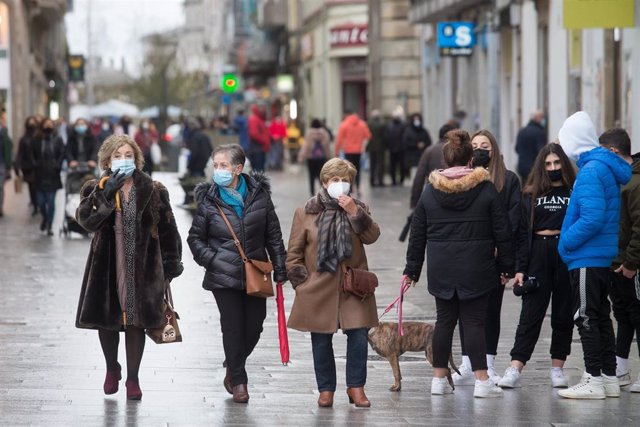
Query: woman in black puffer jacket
246	202
460	220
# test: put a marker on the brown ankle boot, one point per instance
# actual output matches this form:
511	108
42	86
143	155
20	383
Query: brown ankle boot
357	396
326	399
227	382
240	393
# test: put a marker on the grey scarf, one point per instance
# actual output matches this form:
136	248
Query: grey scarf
334	234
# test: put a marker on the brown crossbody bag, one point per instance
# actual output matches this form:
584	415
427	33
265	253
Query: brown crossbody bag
257	273
358	282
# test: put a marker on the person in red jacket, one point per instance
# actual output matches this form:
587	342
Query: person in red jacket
259	139
352	136
277	132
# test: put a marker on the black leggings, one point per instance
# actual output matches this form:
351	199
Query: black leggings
134	341
492	321
241	318
472	314
355	159
314	166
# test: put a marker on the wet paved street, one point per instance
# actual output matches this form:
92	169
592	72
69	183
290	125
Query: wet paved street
51	373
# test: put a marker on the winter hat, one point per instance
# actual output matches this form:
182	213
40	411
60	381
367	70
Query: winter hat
578	135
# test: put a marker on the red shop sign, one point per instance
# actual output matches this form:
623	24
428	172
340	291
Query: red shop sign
348	36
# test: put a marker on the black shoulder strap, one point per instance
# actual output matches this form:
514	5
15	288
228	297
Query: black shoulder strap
532	208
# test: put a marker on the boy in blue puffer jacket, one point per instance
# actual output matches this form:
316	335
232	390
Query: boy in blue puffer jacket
588	244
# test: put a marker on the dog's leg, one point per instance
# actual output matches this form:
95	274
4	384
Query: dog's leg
455	368
395	367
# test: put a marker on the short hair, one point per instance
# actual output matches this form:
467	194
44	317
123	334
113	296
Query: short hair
617	138
113	144
337	167
316	124
458	150
444	130
235	152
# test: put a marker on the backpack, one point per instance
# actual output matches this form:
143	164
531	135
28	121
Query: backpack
317	152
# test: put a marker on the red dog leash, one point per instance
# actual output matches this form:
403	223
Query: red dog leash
404	287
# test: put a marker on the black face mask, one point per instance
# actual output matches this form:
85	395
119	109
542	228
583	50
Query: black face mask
48	131
555	175
481	158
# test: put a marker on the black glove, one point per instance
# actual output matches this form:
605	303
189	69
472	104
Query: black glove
113	184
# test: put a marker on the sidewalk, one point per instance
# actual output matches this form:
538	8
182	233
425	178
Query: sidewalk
51	373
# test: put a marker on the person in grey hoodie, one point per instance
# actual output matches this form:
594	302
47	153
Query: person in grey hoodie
588	245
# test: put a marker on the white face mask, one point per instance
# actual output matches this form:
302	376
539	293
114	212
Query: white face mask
337	189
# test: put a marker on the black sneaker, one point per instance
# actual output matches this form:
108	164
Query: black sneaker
43	224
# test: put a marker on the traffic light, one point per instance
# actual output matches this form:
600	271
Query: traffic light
229	83
76	68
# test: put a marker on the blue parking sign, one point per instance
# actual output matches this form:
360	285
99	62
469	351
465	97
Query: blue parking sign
456	38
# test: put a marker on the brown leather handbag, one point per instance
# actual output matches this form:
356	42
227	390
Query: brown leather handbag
257	273
169	332
359	282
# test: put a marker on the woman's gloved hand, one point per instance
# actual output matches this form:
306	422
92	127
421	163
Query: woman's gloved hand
113	184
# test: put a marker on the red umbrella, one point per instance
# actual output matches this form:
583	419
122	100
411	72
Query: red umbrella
282	325
121	262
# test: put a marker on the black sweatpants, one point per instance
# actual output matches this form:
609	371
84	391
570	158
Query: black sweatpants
314	166
355	159
552	275
376	167
241	318
396	166
472	314
626	310
491	323
591	308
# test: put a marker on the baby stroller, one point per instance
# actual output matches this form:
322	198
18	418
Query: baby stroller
75	180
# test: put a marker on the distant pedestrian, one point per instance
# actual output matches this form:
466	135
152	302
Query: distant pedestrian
544	204
145	137
48	153
588	245
259	139
82	146
328	233
377	149
352	136
241	127
624	291
431	159
294	141
415	140
395	142
105	131
247	205
200	149
278	133
6	161
529	141
460	216
24	164
153	251
315	151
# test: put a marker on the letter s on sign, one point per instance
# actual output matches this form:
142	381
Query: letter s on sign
463	36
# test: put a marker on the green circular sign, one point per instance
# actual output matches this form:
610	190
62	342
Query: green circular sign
229	83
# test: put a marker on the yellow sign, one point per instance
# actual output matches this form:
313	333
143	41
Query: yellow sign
598	13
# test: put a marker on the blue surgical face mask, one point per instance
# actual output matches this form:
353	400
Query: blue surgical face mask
222	177
126	166
81	129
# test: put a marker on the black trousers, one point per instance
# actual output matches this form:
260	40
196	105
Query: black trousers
552	275
591	308
492	321
376	168
355	159
472	314
314	166
626	310
396	165
241	318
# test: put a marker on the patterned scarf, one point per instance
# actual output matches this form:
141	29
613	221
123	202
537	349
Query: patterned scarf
234	197
334	234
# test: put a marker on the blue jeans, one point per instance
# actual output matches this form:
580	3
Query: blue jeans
47	204
257	160
324	363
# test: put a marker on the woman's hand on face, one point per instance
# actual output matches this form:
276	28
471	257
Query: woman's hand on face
348	205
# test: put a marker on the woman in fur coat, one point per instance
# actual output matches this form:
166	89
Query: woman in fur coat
153	252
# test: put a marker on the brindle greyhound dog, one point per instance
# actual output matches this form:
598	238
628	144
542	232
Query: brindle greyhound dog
418	336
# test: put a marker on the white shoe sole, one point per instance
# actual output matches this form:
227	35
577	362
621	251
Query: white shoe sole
516	385
586	397
488	396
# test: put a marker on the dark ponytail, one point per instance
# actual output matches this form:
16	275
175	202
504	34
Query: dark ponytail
457	150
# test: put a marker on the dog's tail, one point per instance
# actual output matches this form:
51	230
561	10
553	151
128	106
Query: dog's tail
455	368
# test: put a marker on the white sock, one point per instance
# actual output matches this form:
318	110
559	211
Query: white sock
491	361
556	369
622	365
466	362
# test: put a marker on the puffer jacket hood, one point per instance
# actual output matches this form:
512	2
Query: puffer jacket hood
458	194
578	135
352	120
616	164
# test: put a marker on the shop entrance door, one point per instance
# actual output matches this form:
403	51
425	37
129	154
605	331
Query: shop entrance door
354	98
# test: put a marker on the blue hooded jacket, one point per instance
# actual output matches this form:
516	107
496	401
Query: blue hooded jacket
589	236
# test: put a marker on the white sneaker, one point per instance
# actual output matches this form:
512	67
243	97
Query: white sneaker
511	378
558	380
494	375
486	389
635	388
440	386
589	388
611	386
624	378
466	376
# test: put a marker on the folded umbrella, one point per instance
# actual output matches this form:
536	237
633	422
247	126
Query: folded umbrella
282	325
